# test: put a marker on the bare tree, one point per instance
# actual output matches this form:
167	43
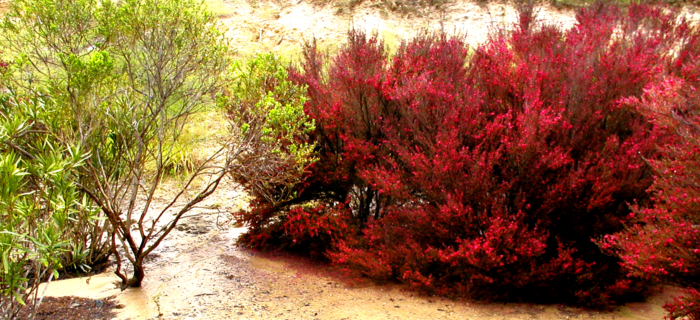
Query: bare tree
171	57
128	76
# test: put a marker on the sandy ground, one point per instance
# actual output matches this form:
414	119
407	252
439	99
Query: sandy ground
283	26
199	272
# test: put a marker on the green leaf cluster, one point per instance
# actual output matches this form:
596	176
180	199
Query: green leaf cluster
270	108
40	205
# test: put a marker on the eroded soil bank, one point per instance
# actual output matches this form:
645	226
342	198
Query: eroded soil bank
283	26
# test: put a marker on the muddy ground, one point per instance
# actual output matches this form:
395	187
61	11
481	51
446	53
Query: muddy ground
199	272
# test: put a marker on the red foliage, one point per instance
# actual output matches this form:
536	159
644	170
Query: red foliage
664	244
490	172
310	230
686	307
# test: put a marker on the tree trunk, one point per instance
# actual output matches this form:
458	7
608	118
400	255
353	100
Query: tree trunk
139	274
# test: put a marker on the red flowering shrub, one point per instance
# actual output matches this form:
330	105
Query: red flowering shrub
664	244
307	229
489	172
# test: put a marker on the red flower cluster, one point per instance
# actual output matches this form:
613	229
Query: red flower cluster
664	244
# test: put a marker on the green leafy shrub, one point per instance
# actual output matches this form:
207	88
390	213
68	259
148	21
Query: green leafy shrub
36	50
267	114
268	119
42	211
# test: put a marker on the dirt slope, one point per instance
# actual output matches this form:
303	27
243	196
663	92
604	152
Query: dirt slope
282	26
